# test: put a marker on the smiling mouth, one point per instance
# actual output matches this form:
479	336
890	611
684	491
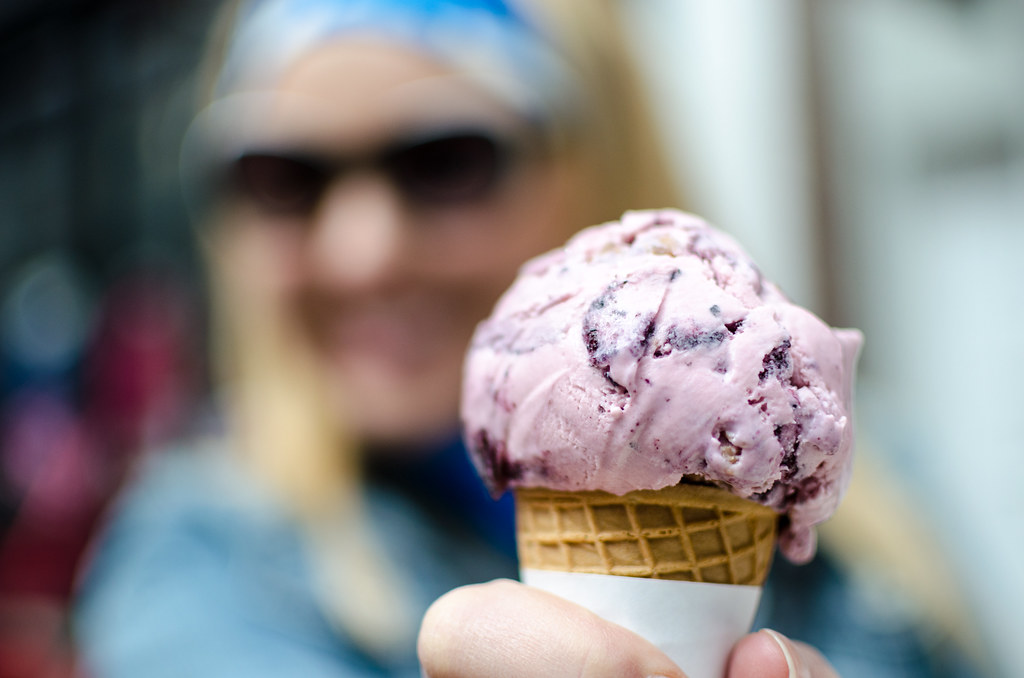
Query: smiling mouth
385	339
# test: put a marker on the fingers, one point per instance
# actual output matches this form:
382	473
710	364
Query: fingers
769	654
506	630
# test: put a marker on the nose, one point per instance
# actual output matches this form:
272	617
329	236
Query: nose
355	240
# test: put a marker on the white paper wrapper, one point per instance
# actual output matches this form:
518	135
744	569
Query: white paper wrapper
694	623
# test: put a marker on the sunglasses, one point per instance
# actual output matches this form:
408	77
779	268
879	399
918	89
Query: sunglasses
445	169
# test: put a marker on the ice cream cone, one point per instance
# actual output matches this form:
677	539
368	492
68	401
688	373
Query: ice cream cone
649	350
717	548
686	532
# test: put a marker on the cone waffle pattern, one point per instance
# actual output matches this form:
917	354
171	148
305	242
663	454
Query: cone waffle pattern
687	532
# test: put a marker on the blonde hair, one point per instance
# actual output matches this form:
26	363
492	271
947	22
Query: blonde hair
283	430
618	135
279	413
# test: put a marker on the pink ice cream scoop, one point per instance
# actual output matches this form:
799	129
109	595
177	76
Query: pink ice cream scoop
651	351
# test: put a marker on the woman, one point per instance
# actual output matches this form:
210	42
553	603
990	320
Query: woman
369	175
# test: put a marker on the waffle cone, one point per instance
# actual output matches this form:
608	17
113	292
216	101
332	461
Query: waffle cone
685	532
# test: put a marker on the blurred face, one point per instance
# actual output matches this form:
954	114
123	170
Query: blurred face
389	203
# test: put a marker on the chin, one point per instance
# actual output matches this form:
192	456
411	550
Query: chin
398	406
406	436
402	414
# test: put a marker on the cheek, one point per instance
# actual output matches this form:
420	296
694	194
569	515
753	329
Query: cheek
484	246
263	260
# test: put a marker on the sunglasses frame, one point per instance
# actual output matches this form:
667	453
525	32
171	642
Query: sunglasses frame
395	160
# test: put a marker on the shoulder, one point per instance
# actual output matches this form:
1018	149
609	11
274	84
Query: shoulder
188	507
193	555
198	479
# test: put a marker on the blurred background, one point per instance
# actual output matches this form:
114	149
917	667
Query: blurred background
100	327
870	155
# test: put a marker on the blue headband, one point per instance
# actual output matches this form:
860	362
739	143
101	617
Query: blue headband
485	39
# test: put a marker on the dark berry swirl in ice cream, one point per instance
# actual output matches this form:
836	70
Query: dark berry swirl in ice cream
651	351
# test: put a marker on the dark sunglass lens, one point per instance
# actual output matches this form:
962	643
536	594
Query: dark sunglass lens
452	169
279	184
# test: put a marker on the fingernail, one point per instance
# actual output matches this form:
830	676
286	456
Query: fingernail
784	646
